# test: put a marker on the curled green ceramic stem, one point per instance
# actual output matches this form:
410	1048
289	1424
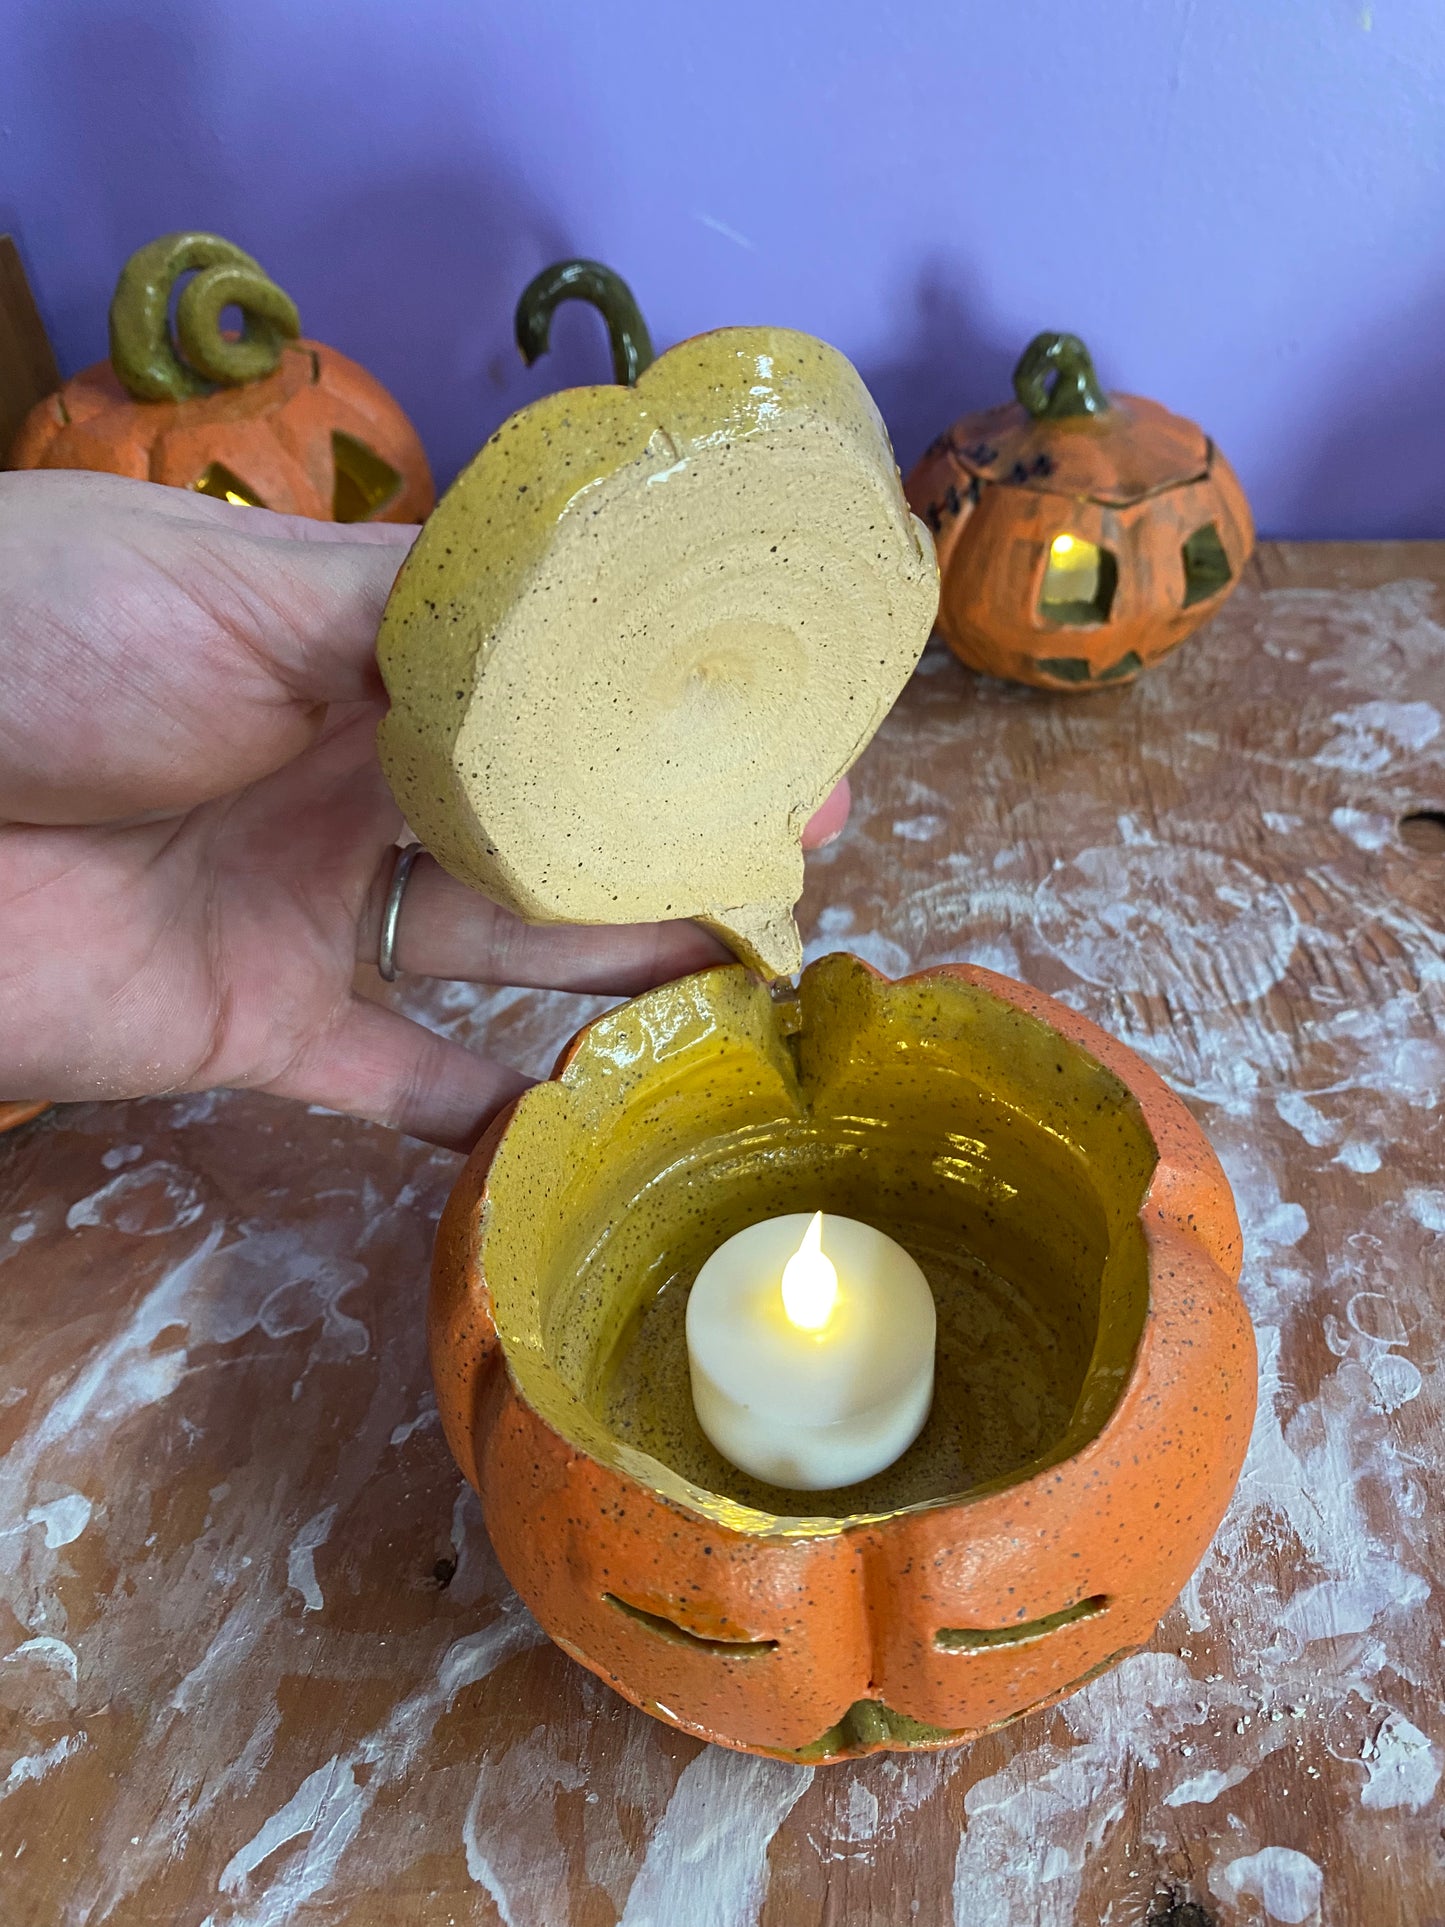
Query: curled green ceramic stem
1074	388
607	292
155	367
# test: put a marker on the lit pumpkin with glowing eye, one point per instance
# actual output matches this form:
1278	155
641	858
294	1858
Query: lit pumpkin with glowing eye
1081	536
260	417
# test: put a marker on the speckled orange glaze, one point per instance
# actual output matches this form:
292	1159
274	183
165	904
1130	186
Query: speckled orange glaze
858	1626
998	487
273	435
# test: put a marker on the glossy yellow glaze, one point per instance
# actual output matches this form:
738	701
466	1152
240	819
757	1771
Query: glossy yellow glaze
1096	1381
646	631
921	1108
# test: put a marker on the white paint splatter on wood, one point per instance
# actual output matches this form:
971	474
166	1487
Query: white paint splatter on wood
301	1560
1288	1884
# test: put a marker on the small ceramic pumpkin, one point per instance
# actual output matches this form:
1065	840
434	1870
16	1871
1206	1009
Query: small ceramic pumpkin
1081	536
263	417
1096	1368
650	626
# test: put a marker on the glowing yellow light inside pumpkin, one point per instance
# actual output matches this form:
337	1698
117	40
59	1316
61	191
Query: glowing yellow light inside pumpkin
221	485
810	1281
1071	590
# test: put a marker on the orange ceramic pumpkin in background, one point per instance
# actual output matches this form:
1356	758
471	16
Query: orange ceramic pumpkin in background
262	417
1080	536
1096	1369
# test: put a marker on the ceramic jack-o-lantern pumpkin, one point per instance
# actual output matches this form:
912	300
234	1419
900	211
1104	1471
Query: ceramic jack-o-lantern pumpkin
647	630
637	643
260	417
1081	536
1095	1379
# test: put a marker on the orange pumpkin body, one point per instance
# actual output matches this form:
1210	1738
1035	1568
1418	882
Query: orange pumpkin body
1147	489
886	1626
287	442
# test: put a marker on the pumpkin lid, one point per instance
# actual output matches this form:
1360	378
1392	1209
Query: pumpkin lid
1065	436
647	630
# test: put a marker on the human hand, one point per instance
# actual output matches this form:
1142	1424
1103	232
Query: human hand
196	840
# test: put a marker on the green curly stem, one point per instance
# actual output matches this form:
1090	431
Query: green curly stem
608	293
1074	389
150	364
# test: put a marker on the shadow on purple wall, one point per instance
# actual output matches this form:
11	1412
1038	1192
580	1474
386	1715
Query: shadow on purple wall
951	362
123	97
446	254
131	120
1377	467
449	256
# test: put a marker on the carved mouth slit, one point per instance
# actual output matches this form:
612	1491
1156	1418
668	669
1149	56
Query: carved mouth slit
680	1635
971	1639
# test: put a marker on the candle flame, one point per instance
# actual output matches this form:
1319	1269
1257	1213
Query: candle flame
1062	545
810	1281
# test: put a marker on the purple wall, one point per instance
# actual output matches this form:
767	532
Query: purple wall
1239	203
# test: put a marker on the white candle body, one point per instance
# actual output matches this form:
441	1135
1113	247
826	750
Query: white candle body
811	1409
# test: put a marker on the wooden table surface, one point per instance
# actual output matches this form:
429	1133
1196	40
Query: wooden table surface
257	1663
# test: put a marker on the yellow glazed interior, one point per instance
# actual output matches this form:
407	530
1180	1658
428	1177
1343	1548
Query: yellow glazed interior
1008	1161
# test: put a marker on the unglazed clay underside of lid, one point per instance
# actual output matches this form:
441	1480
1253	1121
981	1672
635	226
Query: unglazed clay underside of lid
647	631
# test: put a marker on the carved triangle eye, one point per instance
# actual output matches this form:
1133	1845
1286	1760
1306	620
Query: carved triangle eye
363	484
218	481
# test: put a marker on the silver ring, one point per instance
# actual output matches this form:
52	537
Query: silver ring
391	915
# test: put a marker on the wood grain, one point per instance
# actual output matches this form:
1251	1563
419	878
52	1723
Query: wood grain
256	1660
27	361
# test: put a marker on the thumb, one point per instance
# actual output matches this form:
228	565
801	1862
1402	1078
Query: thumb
161	649
313	593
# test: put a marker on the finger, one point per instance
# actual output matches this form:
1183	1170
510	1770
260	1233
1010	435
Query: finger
159	652
86	492
307	605
377	1064
237	589
269	526
448	930
831	819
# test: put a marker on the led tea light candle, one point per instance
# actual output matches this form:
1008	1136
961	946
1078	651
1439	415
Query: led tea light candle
811	1343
